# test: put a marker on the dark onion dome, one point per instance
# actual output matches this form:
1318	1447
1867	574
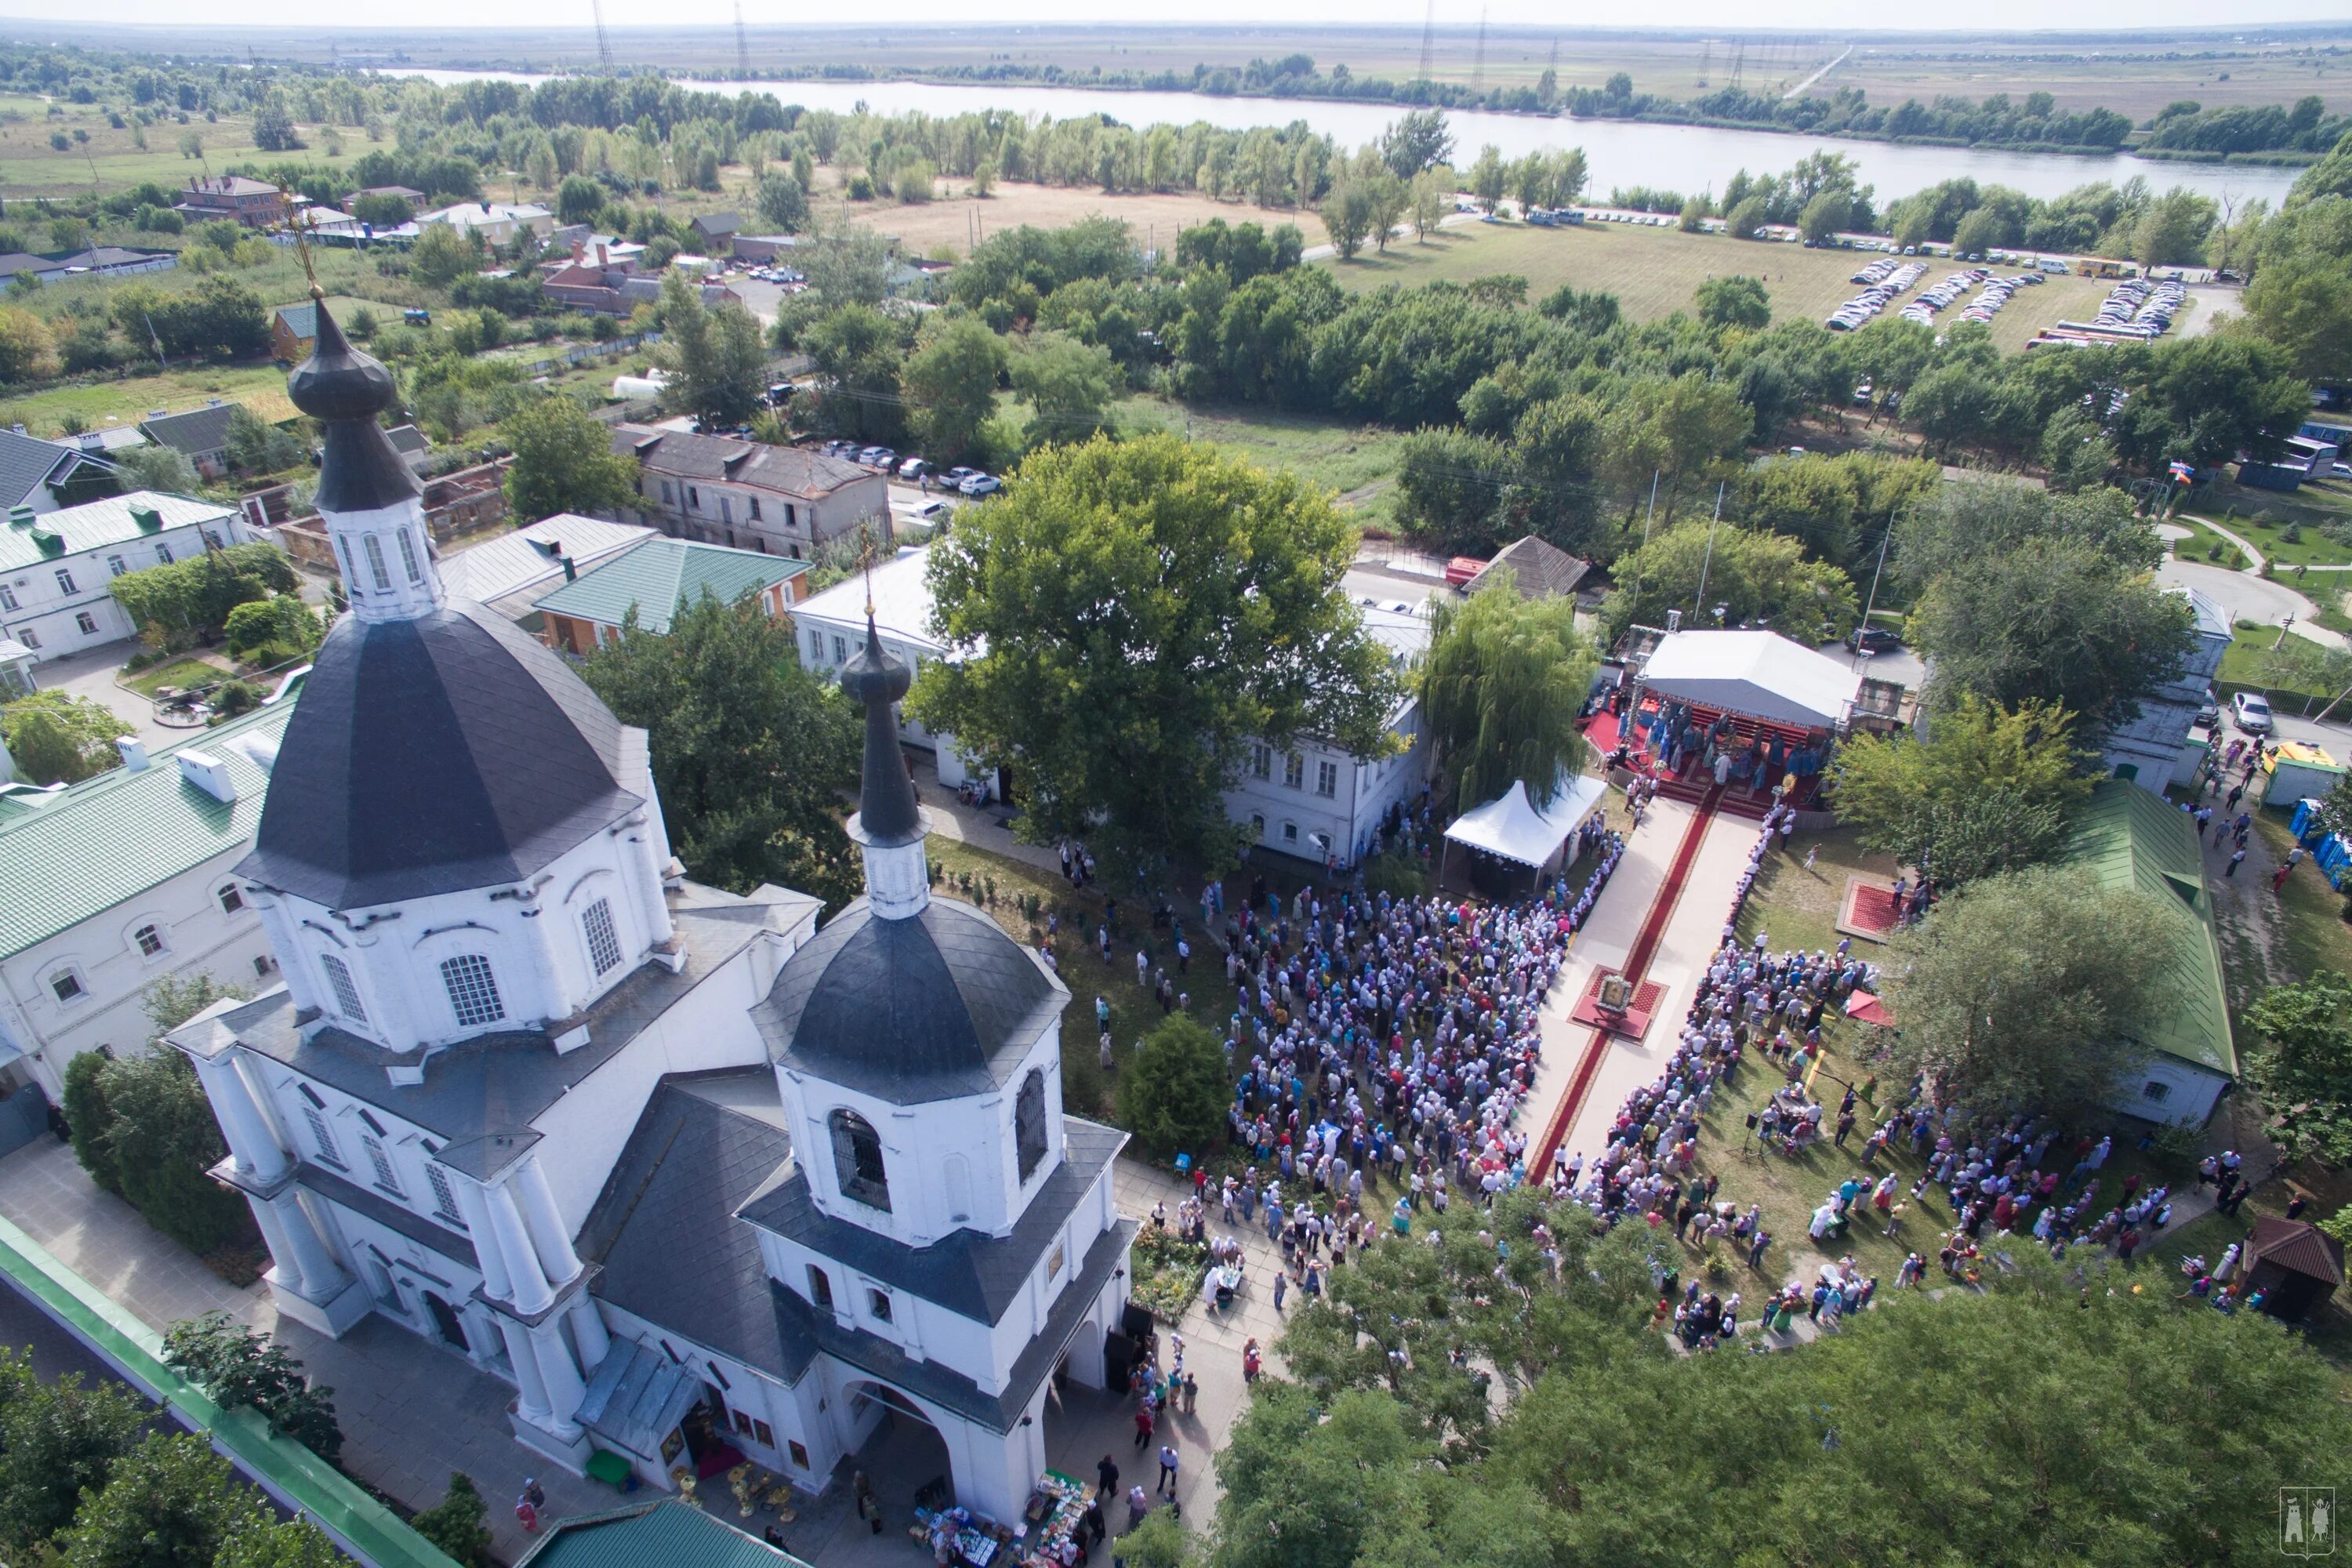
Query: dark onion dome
344	390
435	755
935	1006
886	814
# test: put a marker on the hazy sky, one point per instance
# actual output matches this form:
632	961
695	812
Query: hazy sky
1726	14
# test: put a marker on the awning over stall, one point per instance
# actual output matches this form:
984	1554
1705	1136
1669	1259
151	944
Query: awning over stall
1760	675
1512	826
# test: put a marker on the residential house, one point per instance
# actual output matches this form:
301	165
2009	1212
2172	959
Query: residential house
257	204
497	222
2162	745
703	1183
414	447
46	475
1310	800
511	571
292	328
764	249
780	500
200	433
117	882
103	260
714	233
605	283
412	197
55	566
1538	570
2129	837
654	579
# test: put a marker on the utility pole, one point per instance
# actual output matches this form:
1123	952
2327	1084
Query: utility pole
1699	605
1646	533
1861	653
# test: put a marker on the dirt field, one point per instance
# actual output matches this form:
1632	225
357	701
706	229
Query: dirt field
955	223
1655	272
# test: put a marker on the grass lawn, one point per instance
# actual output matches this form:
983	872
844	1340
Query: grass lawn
260	387
2313	935
187	670
2243	509
2310	547
1796	908
1358	459
2207	547
1657	271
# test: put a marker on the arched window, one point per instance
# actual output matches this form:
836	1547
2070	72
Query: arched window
857	1160
408	555
375	548
1029	1121
820	1288
347	994
473	989
149	940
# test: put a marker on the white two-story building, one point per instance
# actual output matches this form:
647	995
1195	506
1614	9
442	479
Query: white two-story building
55	566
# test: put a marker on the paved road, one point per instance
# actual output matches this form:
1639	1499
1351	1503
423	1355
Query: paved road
2249	599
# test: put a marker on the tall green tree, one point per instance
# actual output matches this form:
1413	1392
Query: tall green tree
2303	1070
2051	621
860	356
1069	384
950	384
1987	792
61	1439
170	1502
54	737
1450	487
716	360
753	755
1758	578
1953	527
164	1138
242	1368
1134	615
1735	301
2048	1023
1503	684
564	461
1174	1093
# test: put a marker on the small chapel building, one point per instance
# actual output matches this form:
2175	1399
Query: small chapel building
701	1175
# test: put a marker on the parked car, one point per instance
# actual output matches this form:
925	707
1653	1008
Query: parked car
877	456
981	485
913	469
1875	639
2251	712
957	474
2210	715
932	512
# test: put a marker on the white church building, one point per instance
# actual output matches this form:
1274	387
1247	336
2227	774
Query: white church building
529	1091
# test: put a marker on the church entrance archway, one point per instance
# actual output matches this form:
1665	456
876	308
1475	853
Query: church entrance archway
446	1326
900	1450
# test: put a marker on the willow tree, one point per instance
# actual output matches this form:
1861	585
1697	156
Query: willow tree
1502	687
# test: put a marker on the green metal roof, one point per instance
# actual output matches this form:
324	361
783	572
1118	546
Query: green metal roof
107	840
93	525
666	1534
656	576
2130	837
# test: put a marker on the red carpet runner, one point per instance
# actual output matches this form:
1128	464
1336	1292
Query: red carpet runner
1637	964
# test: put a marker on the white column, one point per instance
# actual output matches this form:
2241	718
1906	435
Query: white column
531	1389
547	1232
323	1277
475	1208
281	1245
530	1291
252	1142
588	1330
565	1389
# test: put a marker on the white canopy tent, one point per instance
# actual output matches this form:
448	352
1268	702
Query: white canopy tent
1514	828
1761	675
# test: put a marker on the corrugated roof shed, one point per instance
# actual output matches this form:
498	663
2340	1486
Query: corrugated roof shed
108	839
666	1534
2130	837
656	576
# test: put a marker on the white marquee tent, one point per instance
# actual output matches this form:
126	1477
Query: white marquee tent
1762	675
1514	828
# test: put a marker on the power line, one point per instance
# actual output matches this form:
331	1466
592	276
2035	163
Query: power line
603	45
1428	43
743	45
1478	63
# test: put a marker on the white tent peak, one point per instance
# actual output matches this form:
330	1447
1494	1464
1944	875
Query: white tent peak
1762	675
1514	828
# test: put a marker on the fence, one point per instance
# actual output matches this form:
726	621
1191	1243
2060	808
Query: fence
364	1527
580	353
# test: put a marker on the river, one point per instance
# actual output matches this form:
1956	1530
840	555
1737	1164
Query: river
1683	158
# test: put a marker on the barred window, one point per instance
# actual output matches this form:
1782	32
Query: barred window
385	1176
473	989
347	994
603	941
857	1160
323	1136
445	1197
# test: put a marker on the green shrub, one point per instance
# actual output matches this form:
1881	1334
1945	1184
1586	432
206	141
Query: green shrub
1397	874
89	1120
456	1524
163	1140
236	696
1173	1095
